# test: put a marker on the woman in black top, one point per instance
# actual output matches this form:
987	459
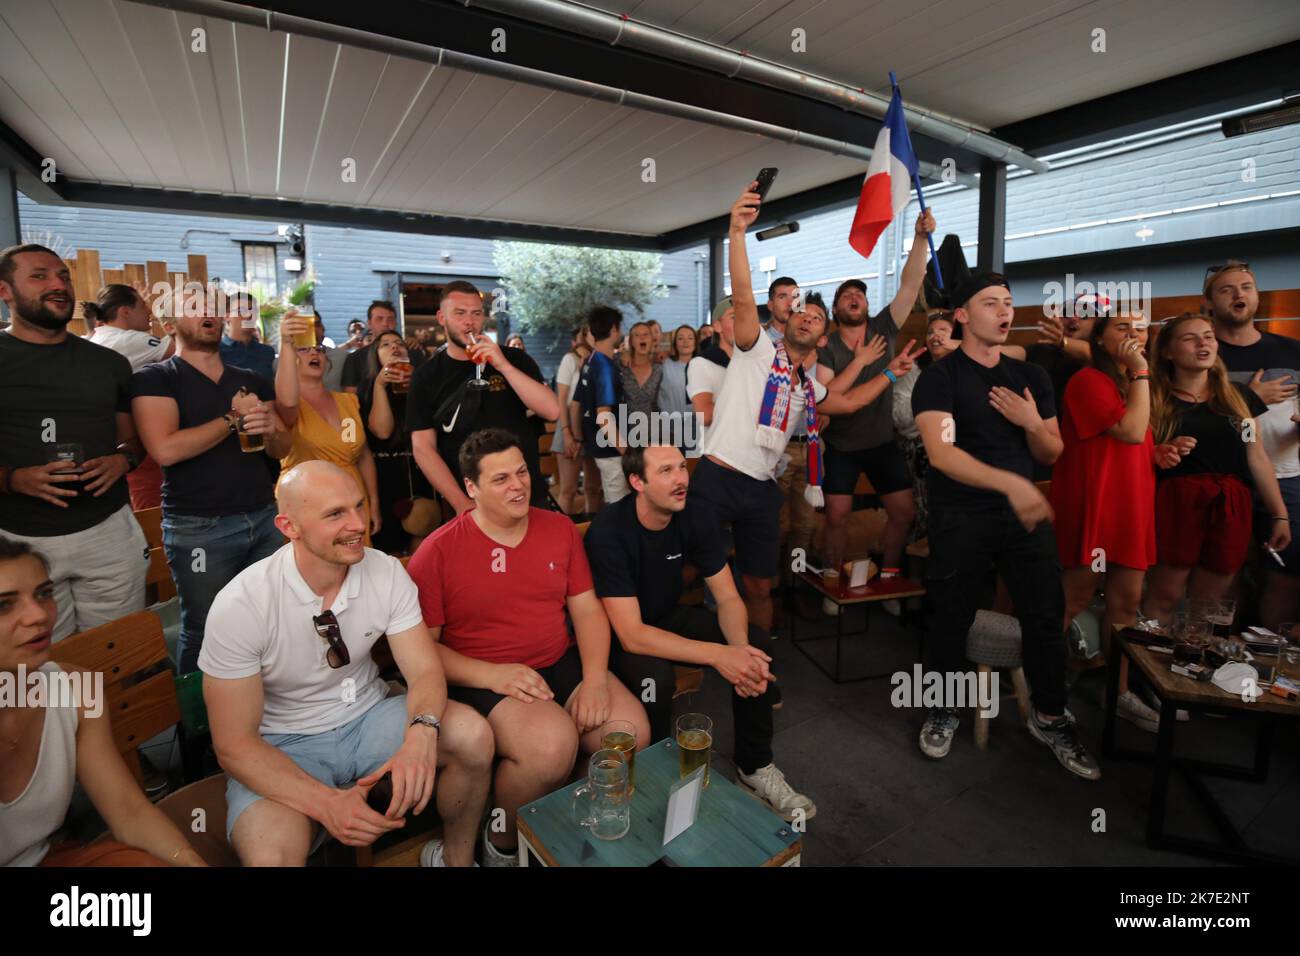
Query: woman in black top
1209	456
383	409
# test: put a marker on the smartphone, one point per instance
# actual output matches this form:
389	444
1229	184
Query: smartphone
381	794
766	176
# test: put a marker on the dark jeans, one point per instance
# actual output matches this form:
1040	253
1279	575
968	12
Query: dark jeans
966	550
752	716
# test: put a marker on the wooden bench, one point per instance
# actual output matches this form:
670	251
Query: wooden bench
159	586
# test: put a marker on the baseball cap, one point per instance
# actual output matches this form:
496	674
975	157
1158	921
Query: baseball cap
723	305
848	284
974	283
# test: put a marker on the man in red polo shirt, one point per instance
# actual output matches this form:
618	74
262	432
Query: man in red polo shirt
494	587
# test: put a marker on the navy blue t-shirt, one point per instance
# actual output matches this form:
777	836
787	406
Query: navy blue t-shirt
223	480
600	384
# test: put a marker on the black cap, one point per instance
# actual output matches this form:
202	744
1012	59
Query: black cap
848	283
976	281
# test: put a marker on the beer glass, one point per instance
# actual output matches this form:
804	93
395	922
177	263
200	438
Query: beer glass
306	340
401	388
620	735
603	803
478	361
694	742
1221	616
74	454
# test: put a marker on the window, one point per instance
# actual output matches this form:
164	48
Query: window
259	267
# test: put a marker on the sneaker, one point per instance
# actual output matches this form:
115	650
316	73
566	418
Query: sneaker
431	854
1069	750
892	608
937	732
1154	701
1130	707
769	785
830	608
156	783
494	857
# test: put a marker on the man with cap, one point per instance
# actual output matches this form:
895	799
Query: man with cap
863	442
986	419
705	370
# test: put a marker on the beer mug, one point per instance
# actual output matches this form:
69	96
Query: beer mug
620	735
694	742
603	803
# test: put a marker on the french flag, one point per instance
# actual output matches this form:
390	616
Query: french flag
888	185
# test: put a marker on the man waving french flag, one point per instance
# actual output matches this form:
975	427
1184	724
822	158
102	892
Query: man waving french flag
888	185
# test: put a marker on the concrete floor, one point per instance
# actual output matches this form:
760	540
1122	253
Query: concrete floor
881	801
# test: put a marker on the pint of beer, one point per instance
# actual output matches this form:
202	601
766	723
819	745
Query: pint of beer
694	742
401	388
620	735
306	340
250	443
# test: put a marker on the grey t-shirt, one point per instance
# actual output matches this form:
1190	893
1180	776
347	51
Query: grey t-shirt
872	424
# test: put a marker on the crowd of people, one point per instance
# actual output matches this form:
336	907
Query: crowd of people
290	483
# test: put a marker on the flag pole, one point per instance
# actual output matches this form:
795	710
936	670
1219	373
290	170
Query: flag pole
920	195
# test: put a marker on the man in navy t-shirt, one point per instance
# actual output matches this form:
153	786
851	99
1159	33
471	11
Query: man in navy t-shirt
600	396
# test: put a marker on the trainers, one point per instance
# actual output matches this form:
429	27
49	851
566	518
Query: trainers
1069	750
892	608
1130	707
769	785
1154	702
431	854
494	857
937	732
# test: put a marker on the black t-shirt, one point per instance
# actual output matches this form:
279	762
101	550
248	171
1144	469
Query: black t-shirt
960	386
52	395
1059	367
223	480
629	560
1271	351
1219	449
355	365
443	377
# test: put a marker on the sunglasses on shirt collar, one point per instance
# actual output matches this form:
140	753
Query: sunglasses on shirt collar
327	626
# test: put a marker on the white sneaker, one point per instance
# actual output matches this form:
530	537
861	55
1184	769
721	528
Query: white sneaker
830	607
769	785
1154	702
492	857
892	608
1131	708
431	854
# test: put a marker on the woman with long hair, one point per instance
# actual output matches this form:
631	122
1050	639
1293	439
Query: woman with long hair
402	485
939	343
46	750
672	396
642	374
324	425
516	341
1104	486
566	445
1205	435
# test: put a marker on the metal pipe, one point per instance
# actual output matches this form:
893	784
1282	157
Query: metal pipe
441	56
622	31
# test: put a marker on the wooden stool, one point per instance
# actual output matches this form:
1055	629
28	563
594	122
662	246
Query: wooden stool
994	642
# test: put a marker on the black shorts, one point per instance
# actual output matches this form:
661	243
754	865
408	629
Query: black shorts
753	510
562	677
885	467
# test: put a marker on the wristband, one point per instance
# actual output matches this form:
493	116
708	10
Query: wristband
1144	375
891	376
1281	517
232	422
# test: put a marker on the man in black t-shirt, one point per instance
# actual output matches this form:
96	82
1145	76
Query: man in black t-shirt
1269	365
637	548
380	317
66	444
218	501
443	407
986	420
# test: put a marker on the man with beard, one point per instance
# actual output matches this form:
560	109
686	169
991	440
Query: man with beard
765	390
863	442
1268	363
443	408
66	442
218	501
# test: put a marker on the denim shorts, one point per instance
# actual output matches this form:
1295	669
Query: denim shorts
338	757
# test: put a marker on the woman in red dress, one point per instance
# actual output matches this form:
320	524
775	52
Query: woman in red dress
1104	485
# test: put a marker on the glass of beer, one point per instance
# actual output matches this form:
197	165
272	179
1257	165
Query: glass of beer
694	741
73	453
250	443
620	735
603	803
401	388
306	340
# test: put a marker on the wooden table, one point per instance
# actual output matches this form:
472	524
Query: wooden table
1176	691
876	590
731	829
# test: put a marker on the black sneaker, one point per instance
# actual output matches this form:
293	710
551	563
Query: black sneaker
1062	736
936	735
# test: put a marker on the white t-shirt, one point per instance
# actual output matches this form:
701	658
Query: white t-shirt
569	372
732	436
703	376
139	348
261	623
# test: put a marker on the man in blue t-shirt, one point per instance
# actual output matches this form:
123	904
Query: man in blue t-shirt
599	396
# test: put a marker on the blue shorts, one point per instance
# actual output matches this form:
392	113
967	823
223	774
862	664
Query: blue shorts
337	758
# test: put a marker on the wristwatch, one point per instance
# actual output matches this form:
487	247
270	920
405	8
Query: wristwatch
132	459
232	422
427	720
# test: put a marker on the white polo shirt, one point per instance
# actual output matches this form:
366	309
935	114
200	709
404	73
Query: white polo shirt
261	623
139	348
732	436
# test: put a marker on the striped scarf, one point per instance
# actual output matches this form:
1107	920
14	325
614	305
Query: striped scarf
774	416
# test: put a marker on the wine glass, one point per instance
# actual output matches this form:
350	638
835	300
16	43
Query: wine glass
478	359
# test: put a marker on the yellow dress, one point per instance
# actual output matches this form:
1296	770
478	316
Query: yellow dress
315	439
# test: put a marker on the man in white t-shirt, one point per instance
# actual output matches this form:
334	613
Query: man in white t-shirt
704	372
753	419
122	323
297	709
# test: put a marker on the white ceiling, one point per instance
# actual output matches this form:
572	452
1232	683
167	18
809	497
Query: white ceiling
113	93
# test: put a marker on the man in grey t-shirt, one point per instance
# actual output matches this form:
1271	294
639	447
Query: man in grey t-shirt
864	441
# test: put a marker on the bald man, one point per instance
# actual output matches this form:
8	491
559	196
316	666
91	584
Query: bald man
301	721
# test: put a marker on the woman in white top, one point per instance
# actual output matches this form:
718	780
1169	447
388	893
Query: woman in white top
565	445
46	749
938	344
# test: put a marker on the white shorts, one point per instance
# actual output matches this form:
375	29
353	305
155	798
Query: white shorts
612	480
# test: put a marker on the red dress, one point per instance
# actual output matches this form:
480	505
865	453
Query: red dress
1103	489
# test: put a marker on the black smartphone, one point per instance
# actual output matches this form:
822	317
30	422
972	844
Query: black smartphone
766	176
381	794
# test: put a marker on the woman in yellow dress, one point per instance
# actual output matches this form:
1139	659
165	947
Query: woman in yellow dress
326	426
